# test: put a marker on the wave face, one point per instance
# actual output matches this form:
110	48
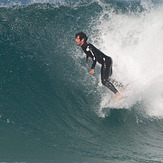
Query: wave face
52	110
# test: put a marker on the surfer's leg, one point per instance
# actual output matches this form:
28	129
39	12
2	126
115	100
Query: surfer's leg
120	85
106	72
116	83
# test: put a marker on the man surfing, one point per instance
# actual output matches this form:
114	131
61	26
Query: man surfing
97	56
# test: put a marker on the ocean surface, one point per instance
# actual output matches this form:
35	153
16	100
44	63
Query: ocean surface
52	110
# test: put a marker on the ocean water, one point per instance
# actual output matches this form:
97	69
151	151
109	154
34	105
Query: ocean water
52	110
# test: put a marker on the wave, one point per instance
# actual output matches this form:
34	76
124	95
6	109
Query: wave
46	40
47	93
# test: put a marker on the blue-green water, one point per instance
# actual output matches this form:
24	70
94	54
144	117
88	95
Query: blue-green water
52	110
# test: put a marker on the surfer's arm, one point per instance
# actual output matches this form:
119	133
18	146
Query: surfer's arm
94	63
89	53
93	56
92	71
86	60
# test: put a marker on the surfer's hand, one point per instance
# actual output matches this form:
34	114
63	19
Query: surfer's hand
92	71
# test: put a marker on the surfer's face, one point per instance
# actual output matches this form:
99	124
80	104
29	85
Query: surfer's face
78	41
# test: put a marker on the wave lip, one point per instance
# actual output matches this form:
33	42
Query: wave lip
10	3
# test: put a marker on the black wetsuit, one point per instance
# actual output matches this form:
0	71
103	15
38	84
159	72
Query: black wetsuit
105	61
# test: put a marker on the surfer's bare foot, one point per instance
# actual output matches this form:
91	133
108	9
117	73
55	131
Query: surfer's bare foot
118	96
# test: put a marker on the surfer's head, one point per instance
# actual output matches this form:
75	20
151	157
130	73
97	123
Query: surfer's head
80	38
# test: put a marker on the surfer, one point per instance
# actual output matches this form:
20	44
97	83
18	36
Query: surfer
97	56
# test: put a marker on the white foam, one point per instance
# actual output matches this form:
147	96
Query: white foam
134	41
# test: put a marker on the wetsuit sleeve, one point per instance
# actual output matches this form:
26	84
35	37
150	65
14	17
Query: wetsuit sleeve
87	57
94	63
93	56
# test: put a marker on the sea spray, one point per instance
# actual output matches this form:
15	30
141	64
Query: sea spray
134	41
